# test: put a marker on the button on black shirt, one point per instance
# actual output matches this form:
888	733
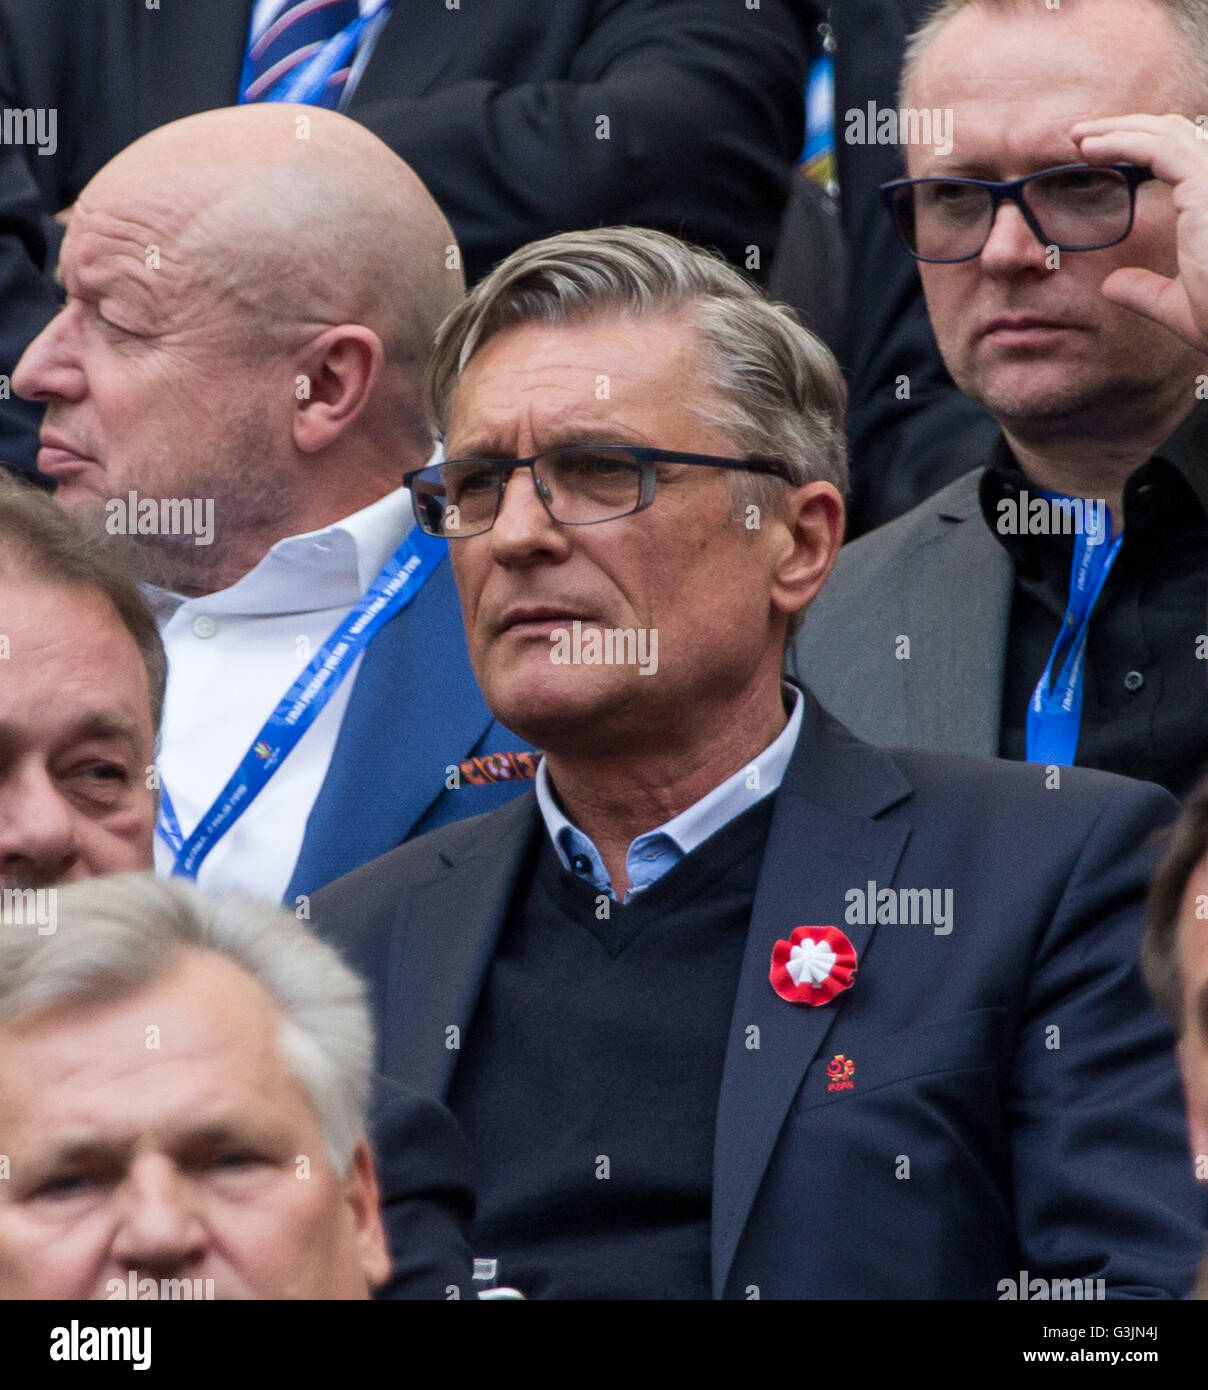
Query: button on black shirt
1145	696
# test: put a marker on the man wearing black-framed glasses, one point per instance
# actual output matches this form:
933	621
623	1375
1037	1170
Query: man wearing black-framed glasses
1053	599
1084	208
634	984
577	484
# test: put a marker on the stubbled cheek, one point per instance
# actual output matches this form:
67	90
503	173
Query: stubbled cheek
125	838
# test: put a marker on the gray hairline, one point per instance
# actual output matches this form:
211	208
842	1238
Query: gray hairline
676	281
627	272
116	936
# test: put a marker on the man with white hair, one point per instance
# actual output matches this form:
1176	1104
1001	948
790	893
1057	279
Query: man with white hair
184	1089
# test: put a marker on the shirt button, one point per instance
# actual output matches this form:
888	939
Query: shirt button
204	626
1134	680
581	864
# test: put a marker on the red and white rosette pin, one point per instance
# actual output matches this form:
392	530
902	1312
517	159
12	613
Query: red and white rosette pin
813	965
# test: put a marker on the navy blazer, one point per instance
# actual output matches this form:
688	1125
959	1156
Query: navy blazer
1014	1103
427	1199
414	714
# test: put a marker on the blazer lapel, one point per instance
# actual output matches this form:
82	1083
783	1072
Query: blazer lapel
823	841
958	607
191	56
416	47
435	972
415	709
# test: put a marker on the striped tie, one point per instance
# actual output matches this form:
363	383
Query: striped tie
299	31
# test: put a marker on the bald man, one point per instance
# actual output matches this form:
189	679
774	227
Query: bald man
235	381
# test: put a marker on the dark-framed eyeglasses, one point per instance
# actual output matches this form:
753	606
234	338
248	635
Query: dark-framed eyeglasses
1074	207
579	485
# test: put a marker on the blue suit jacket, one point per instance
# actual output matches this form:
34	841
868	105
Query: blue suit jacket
414	713
1015	1102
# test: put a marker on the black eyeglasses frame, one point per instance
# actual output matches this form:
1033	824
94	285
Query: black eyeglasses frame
647	460
1134	176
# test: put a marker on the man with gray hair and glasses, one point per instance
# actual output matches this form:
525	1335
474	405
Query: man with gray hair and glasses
731	1004
1049	605
184	1097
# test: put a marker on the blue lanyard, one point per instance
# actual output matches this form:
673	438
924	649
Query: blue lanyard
403	576
308	81
1055	709
818	153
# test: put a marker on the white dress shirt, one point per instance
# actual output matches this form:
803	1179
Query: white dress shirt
232	655
652	854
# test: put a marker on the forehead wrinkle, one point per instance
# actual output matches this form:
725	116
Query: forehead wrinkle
105	250
101	220
550	423
560	436
220	1122
85	1114
523	380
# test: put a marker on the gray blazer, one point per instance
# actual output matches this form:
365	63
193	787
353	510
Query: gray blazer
939	578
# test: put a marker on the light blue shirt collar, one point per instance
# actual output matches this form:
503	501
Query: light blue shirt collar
652	854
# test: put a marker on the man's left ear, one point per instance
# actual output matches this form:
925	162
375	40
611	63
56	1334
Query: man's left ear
364	1197
813	532
335	375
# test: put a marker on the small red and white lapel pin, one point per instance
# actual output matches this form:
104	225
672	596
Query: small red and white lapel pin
813	965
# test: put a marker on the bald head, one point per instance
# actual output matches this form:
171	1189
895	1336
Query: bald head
252	298
300	216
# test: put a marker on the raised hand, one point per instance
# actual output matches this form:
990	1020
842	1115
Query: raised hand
1176	150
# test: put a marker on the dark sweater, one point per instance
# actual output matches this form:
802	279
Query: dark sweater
588	1082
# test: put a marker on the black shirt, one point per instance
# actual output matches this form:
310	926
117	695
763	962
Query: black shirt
589	1077
1145	697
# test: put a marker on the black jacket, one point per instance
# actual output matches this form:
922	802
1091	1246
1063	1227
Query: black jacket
1068	1161
423	1170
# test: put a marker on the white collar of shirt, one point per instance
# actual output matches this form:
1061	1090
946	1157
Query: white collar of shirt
328	568
651	854
231	655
